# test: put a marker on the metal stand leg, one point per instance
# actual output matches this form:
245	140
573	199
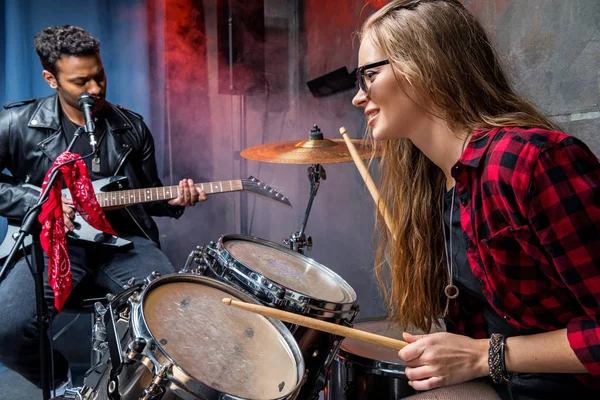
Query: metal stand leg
298	241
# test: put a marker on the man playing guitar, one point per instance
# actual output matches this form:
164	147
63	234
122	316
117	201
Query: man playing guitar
33	134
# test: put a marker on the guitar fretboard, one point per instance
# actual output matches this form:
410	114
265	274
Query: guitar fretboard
134	196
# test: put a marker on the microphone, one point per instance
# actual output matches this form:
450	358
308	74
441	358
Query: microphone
86	104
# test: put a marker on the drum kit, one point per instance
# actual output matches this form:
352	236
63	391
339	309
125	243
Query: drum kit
170	337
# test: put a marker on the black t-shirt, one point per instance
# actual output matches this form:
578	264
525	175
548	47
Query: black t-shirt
97	166
462	273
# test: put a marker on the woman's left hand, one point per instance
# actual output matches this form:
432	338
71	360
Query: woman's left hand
443	359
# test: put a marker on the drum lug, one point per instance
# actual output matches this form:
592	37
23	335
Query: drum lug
151	277
135	297
135	348
353	313
155	390
193	257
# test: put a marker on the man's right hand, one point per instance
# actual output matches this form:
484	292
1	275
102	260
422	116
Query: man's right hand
68	214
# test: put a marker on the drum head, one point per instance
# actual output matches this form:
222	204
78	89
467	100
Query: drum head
291	269
231	350
373	351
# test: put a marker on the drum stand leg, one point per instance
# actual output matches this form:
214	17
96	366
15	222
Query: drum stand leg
298	240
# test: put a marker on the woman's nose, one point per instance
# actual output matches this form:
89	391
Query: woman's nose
360	99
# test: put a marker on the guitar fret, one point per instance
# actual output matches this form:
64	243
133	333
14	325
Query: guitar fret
133	196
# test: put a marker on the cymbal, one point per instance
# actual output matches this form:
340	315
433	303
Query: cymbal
319	151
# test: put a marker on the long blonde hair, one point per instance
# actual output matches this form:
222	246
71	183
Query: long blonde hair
441	49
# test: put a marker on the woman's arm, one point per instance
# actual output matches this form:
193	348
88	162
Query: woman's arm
544	352
443	359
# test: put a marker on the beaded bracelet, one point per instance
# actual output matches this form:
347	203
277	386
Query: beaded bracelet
505	375
496	358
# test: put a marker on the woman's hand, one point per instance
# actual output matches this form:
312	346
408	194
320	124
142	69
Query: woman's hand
443	359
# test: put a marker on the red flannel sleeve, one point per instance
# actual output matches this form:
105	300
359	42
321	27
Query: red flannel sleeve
565	214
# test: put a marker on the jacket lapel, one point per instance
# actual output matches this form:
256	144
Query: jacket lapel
46	118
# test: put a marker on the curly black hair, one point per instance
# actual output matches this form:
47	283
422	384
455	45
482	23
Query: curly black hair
54	42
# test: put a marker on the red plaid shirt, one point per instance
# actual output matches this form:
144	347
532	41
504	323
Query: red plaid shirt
530	209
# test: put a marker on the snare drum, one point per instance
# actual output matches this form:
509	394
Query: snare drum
363	371
285	279
179	341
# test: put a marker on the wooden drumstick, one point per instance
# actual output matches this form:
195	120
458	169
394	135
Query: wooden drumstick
317	324
364	173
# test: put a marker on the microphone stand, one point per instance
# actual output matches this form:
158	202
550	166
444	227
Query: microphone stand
31	226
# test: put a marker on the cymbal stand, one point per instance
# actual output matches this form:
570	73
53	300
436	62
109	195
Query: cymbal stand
298	240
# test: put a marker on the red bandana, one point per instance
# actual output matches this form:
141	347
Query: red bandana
53	224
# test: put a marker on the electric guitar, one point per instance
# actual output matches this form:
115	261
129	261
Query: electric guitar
110	194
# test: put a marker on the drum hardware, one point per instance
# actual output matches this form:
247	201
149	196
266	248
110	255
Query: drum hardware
298	240
115	351
315	151
153	275
195	257
130	283
155	390
111	314
99	344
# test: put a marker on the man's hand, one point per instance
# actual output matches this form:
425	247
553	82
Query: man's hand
189	194
68	214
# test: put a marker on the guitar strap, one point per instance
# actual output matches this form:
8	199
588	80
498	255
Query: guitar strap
133	218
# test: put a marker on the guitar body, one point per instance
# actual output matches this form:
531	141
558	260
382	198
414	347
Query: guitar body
84	234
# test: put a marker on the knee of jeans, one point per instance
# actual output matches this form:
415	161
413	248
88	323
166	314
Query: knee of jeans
15	333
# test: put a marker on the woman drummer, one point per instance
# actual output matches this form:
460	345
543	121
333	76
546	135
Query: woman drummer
472	170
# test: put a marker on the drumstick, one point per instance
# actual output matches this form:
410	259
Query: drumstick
317	324
362	169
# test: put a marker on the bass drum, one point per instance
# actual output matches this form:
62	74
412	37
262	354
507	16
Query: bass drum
281	278
362	371
175	339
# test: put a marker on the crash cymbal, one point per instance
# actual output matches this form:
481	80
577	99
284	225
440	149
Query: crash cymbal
319	151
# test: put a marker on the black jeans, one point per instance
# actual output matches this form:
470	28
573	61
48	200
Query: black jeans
91	269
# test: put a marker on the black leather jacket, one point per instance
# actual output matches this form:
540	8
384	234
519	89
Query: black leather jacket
31	139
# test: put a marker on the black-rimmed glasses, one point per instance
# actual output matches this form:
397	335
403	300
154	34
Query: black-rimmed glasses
363	84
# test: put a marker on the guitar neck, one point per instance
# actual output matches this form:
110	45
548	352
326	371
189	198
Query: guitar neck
135	196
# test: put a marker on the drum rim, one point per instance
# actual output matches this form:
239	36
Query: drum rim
371	365
138	316
348	290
